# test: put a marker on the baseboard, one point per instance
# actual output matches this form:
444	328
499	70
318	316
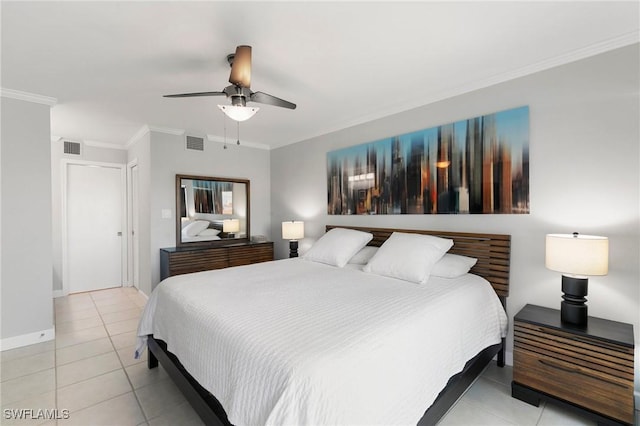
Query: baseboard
58	293
143	295
27	339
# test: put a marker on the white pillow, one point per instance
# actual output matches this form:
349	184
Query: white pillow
408	257
453	266
363	256
195	227
337	246
209	232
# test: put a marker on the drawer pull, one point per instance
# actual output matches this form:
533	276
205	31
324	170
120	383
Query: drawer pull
578	371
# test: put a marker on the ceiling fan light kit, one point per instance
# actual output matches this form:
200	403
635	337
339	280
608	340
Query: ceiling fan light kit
238	113
239	91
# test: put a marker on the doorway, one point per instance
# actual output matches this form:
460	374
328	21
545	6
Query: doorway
93	226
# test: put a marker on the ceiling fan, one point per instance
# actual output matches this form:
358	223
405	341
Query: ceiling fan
239	90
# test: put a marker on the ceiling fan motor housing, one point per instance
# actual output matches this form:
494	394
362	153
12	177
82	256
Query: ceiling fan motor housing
238	100
238	95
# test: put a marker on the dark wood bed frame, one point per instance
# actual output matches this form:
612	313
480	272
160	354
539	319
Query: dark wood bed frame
493	254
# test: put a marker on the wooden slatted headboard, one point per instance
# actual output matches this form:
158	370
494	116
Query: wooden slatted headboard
493	251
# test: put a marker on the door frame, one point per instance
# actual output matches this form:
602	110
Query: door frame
131	256
66	162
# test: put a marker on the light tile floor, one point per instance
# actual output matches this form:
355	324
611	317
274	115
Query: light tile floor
89	370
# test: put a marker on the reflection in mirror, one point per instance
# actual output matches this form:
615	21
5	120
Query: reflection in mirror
211	210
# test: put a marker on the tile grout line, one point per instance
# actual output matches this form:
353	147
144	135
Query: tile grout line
55	359
119	360
481	406
56	315
147	419
96	307
133	390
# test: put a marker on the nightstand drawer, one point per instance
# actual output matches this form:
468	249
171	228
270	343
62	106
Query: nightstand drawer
603	393
607	358
580	369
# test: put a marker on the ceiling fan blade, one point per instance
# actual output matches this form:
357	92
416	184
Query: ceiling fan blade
265	98
191	95
241	67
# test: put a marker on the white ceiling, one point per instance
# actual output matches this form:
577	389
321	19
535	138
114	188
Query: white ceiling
344	63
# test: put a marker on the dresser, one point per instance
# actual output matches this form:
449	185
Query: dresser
184	260
584	368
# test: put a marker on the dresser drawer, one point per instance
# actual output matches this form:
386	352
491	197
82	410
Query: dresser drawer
252	254
588	372
197	261
176	261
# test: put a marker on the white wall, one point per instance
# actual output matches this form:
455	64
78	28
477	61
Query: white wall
87	153
169	157
584	162
27	303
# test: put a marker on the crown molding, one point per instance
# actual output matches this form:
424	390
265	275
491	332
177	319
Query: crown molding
137	136
167	130
29	97
180	132
567	58
232	142
556	61
107	145
96	144
148	129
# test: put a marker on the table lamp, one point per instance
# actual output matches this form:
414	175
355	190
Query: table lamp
231	226
576	256
293	231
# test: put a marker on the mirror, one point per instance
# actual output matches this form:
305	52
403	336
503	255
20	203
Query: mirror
211	210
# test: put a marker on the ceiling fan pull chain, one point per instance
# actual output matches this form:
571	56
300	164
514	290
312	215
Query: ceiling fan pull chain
238	141
225	132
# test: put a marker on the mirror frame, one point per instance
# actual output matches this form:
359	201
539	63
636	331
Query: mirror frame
212	243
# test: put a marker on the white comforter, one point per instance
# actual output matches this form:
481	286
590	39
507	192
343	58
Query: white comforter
294	342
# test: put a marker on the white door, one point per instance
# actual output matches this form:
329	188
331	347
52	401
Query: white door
94	214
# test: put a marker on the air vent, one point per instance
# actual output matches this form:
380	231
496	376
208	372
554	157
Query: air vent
195	143
72	148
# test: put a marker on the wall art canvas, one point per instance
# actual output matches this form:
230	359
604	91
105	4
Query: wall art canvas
209	197
474	166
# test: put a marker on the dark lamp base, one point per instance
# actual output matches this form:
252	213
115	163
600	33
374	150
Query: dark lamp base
293	248
573	309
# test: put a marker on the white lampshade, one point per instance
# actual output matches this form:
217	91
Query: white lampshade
238	112
292	230
231	225
577	254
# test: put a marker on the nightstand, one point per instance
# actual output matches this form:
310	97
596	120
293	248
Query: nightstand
589	369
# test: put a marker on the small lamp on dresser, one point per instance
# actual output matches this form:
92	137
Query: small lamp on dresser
293	231
576	256
231	226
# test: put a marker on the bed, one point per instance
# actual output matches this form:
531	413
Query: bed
327	345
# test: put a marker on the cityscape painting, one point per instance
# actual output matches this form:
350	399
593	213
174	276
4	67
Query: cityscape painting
474	166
